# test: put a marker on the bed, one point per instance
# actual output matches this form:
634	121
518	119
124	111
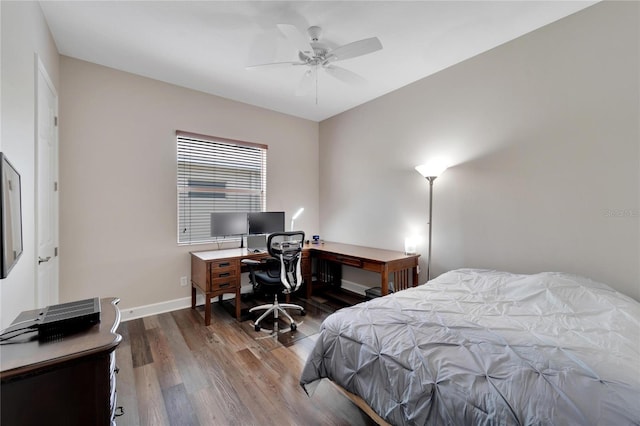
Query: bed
476	347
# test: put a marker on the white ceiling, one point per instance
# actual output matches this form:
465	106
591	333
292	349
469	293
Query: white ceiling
206	45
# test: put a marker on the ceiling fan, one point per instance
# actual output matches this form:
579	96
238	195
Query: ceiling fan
316	55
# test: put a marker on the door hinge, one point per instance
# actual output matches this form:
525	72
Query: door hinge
55	121
55	186
55	252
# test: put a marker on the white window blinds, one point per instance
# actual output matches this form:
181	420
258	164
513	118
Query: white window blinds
217	175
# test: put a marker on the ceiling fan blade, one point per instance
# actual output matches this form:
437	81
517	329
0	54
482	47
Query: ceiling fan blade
296	38
345	75
306	82
274	65
357	48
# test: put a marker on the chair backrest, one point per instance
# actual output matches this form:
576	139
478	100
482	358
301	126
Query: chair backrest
287	248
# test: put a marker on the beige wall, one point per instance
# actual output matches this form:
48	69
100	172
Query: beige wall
118	178
544	132
24	35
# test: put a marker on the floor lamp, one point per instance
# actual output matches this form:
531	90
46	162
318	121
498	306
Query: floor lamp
431	171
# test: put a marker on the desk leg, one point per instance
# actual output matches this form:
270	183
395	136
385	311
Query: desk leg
207	309
384	286
307	274
193	296
238	302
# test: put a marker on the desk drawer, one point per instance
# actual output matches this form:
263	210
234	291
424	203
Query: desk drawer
224	274
223	265
224	283
225	278
339	258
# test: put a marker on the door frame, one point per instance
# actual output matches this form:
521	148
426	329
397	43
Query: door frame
53	293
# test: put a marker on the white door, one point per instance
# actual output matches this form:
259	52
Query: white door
47	190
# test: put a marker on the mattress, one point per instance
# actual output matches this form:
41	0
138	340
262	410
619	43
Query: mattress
477	347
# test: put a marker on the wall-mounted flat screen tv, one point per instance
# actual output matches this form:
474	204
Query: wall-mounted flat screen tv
11	213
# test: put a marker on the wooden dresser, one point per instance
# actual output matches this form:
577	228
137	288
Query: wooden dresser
71	381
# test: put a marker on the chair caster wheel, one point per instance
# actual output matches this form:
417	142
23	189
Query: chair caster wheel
303	312
293	326
256	327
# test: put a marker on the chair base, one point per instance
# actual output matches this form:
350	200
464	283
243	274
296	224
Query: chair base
277	308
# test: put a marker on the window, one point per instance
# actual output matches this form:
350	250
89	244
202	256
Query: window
217	175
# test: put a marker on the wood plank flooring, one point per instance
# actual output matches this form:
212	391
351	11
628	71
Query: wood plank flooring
175	371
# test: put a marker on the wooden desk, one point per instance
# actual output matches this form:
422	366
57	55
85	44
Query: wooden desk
217	272
70	381
403	266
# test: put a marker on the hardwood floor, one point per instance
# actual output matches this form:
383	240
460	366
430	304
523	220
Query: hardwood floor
175	371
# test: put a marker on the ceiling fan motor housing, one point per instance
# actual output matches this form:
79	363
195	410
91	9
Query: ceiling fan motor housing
319	54
314	32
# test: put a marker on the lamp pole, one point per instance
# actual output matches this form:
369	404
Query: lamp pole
430	172
430	179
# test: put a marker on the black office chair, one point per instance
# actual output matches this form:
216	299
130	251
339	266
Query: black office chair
279	274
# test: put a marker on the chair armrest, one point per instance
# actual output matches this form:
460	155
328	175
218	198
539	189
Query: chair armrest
251	262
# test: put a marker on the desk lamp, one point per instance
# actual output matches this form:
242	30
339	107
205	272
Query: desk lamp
295	216
431	171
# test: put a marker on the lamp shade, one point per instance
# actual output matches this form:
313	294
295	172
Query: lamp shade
433	168
298	213
295	216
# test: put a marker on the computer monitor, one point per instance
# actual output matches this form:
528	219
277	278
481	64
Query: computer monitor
228	224
266	222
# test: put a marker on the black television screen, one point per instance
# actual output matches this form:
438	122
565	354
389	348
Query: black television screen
266	222
11	212
228	224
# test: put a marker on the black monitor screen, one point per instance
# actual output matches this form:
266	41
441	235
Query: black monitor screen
266	222
228	224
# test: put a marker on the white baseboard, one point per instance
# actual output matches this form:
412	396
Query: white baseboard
128	314
162	307
354	287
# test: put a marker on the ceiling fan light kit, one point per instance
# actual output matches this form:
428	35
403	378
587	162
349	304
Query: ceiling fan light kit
316	55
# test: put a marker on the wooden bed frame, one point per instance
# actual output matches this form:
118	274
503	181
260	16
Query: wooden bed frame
362	405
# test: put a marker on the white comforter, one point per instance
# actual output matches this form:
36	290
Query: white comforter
485	347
